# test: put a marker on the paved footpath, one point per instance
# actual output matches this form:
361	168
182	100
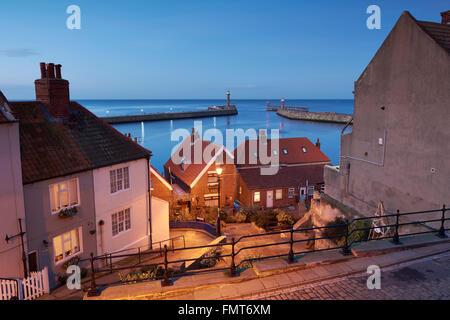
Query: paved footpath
425	279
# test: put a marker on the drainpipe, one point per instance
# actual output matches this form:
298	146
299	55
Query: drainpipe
149	212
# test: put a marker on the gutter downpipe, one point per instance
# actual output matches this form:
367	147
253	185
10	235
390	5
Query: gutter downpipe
149	209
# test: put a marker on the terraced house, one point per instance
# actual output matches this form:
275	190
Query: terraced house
86	186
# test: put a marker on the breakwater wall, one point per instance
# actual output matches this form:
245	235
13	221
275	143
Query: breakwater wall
315	116
172	115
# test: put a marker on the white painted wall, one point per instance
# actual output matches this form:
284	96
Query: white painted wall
160	220
107	204
11	201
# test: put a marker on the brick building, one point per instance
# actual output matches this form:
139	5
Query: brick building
195	183
300	172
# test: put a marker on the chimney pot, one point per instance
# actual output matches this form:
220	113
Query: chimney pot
445	17
58	71
43	70
51	71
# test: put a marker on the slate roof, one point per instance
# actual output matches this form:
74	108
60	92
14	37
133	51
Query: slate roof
293	155
439	32
287	176
192	170
52	147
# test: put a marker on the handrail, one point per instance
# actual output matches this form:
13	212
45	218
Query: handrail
233	268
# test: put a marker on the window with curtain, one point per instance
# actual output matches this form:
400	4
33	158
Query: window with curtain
64	194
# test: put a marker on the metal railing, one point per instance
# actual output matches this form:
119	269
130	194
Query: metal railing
166	274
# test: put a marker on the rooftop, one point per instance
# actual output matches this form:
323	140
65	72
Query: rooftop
52	147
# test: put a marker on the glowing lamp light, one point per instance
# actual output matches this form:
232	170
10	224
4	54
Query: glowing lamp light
219	170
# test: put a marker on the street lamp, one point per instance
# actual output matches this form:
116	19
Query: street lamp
219	172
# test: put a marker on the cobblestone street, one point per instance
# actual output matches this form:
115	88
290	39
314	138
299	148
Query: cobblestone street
428	279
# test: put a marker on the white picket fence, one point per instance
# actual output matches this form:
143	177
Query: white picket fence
34	286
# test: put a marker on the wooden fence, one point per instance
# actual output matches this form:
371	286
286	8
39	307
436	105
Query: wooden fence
34	286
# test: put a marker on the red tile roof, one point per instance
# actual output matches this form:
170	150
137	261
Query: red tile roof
52	148
439	32
290	151
191	170
287	176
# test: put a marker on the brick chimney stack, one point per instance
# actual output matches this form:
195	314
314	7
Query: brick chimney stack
445	17
318	143
53	91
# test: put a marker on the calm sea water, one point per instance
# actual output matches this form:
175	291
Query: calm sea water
156	135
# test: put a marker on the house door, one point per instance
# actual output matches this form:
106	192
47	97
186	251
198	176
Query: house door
32	261
269	203
302	193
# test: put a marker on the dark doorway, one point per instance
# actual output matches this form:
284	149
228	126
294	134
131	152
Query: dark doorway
32	261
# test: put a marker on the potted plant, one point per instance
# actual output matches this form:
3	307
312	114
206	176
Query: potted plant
69	212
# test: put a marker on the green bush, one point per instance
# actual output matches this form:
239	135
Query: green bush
339	231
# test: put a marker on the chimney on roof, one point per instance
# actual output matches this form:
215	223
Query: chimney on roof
228	98
53	91
58	71
445	17
318	143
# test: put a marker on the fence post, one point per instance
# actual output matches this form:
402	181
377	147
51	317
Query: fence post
291	250
346	249
92	292
19	293
166	281
110	262
233	265
442	230
396	238
139	254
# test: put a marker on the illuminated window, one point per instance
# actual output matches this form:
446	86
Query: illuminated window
121	221
64	195
304	149
119	179
67	244
256	196
279	194
285	151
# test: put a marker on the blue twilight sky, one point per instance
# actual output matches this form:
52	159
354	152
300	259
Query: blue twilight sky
177	49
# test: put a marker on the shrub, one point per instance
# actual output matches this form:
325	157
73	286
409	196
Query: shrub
283	218
354	236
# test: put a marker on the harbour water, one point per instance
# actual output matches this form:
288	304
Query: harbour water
252	115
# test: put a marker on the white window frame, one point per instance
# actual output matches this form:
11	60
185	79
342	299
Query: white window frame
259	196
68	194
291	193
121	222
68	257
124	186
276	194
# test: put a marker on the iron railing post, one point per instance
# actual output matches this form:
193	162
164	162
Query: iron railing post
442	229
291	245
346	249
233	266
139	254
166	281
92	292
396	237
110	262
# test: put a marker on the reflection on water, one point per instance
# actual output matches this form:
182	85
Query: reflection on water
252	115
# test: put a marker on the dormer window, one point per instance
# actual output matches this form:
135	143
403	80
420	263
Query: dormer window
304	149
285	151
